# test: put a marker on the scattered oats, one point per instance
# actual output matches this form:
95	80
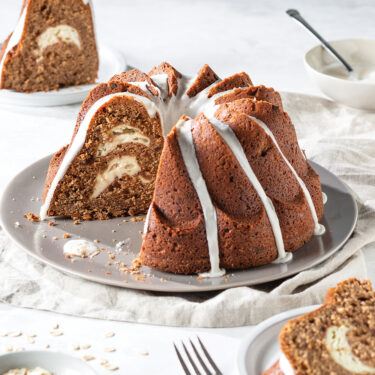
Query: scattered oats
3	334
56	333
109	334
54	238
9	348
85	346
29	339
96	241
110	350
125	281
142	352
47	346
32	199
114	240
32	335
14	334
44	236
73	260
17	224
19	349
113	231
88	358
103	362
111	367
76	347
56	326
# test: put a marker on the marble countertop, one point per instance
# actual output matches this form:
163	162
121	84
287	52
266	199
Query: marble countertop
231	36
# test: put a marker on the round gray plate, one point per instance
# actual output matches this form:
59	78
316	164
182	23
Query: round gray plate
261	349
24	193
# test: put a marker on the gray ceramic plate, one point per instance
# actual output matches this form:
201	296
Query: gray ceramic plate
54	362
261	350
23	195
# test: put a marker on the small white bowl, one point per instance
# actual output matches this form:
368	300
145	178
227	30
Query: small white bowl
54	362
359	53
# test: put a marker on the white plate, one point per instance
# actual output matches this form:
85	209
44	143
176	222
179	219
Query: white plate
54	362
260	350
110	62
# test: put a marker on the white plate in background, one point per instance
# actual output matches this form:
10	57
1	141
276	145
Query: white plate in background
111	62
260	350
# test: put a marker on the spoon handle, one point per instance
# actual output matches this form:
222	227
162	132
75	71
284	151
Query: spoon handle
294	13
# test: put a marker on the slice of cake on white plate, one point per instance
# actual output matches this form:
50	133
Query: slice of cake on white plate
52	46
338	338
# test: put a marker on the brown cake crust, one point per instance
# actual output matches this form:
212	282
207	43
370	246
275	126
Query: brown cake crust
59	65
173	76
176	238
302	340
274	370
236	80
206	77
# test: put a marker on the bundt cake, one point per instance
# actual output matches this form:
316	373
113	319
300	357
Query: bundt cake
232	189
52	46
338	338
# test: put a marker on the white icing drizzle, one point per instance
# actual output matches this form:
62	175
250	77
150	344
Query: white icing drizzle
234	144
185	141
285	365
319	228
145	228
80	138
324	197
81	248
14	39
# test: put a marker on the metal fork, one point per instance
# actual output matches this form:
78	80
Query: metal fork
200	360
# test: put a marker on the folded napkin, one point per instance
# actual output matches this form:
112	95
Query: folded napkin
338	138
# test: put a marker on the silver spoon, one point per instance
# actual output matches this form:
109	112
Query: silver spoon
294	13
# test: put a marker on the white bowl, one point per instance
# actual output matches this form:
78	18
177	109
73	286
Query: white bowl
359	53
54	362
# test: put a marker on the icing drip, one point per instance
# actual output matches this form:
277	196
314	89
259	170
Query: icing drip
80	248
324	197
79	140
185	141
14	39
319	228
234	144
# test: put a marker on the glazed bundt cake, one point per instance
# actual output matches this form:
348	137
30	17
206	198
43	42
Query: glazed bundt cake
52	46
338	338
233	189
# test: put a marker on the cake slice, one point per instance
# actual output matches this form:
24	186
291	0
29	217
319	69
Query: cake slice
109	167
52	46
338	338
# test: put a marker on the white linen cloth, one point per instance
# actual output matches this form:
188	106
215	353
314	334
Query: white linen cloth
338	138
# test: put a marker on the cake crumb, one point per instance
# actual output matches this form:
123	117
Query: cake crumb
32	217
66	235
76	222
51	224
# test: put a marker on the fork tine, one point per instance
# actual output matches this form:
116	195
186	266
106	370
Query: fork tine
187	372
208	372
212	363
191	360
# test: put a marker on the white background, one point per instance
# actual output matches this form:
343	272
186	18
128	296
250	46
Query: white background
231	36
